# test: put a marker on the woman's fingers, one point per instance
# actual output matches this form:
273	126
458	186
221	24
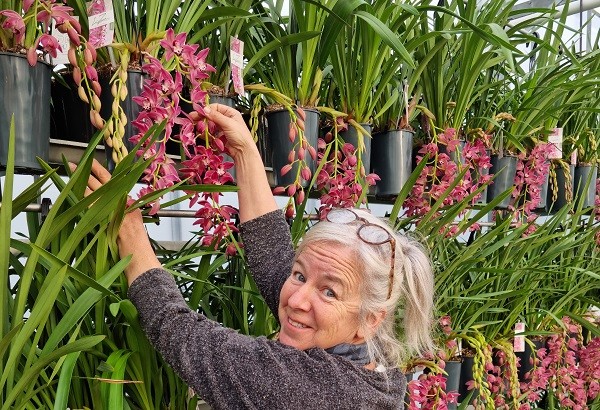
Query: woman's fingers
98	177
225	110
100	172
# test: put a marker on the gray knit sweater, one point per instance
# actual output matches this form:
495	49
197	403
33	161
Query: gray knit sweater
233	371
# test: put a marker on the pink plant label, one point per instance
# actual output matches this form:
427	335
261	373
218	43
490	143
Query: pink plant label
63	42
519	341
574	157
237	64
555	139
101	19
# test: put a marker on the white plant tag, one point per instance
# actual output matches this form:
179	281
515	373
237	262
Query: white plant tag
556	140
237	64
101	19
574	157
519	341
64	42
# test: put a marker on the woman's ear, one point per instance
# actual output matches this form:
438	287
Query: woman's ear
374	320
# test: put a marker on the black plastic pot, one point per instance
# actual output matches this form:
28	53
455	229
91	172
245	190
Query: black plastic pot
453	369
70	119
466	375
391	159
25	93
135	85
278	129
585	185
351	136
219	99
504	170
560	190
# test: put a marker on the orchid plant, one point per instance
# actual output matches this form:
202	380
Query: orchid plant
341	178
532	173
445	162
203	147
26	27
301	148
566	369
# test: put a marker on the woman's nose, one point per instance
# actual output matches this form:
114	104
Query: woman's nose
300	299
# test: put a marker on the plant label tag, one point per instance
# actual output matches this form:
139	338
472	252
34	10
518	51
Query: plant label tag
574	157
237	64
101	19
519	341
555	139
63	42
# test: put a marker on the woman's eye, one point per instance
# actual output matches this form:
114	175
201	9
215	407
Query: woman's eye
300	277
329	293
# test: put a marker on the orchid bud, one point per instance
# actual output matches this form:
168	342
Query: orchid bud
312	152
289	211
123	118
301	154
115	157
305	173
219	144
32	55
123	76
111	127
123	95
300	197
291	190
98	120
72	56
328	137
91	73
293	133
96	102
231	250
115	106
73	36
285	169
108	141
97	87
352	160
77	75
278	190
93	117
291	156
121	130
87	56
300	124
113	90
92	51
301	113
82	95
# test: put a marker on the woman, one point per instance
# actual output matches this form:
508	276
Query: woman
335	299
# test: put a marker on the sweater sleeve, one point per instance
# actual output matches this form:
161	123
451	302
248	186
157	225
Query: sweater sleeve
270	254
234	371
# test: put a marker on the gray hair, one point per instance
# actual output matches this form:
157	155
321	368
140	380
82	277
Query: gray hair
411	300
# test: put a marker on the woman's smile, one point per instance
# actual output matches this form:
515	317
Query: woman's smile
297	325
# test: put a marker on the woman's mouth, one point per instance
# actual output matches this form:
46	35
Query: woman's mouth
297	325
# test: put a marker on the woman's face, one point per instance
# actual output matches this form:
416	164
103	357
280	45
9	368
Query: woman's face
319	302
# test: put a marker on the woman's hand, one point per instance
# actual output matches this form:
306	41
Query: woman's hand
254	193
230	122
133	239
